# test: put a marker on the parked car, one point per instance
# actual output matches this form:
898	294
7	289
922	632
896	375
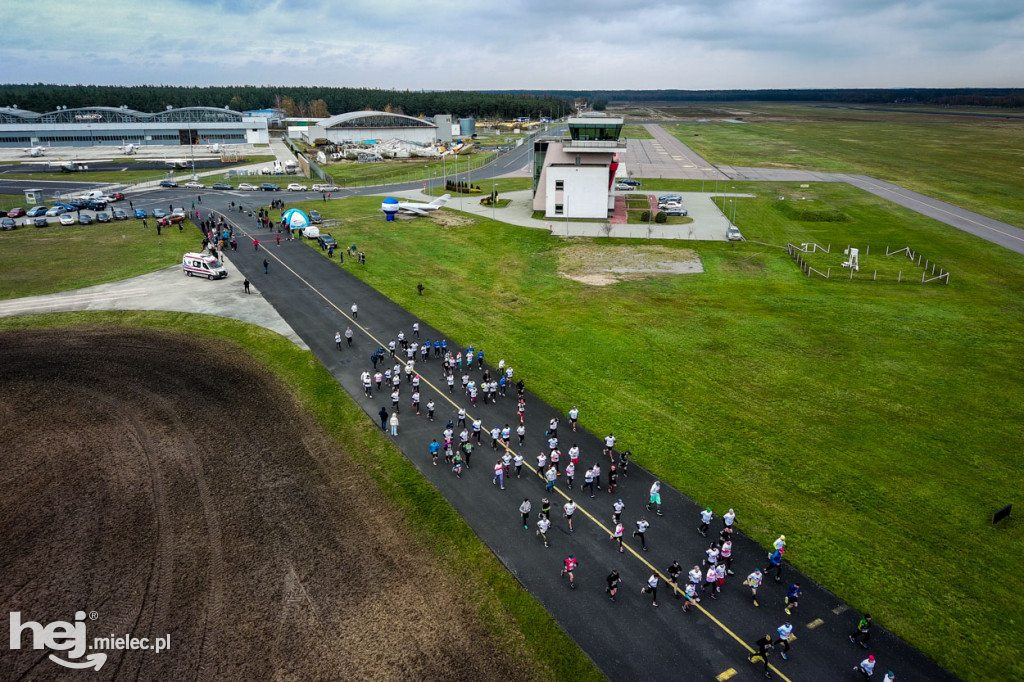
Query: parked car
675	211
326	240
96	205
296	187
15	212
192	184
669	197
55	211
8	224
67	219
623	186
117	196
37	211
221	185
40	221
78	204
141	213
247	187
270	187
733	234
85	219
629	181
168	183
159	213
176	217
3	213
120	214
315	217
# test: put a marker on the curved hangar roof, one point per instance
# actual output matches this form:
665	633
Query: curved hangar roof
374	119
121	115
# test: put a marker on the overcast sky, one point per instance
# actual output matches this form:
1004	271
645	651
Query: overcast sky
503	44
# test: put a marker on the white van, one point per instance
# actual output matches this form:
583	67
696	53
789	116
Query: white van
278	168
203	265
311	232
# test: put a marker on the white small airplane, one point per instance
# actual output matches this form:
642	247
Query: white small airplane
129	148
69	166
214	148
418	208
33	150
176	163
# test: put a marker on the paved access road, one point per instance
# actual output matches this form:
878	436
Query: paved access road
629	639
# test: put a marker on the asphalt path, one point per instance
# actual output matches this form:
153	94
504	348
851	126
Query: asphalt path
628	639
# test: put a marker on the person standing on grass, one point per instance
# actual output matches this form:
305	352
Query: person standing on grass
753	581
652	588
793	598
862	634
568	509
570	566
866	667
543	524
617	535
785	632
517	461
655	498
435	449
570	473
641	530
574	415
613	581
525	509
764	645
706	516
499	474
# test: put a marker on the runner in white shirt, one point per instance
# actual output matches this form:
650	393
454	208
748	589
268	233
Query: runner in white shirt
542	529
495	437
499	474
705	520
609	444
652	587
542	461
617	507
574	415
574	454
696	577
641	530
567	509
690	597
711	582
753	581
521	432
785	632
524	509
517	461
570	473
617	535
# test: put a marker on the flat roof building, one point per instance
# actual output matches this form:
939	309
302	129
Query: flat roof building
572	177
89	126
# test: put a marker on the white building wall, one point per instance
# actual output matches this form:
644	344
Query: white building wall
418	135
585	193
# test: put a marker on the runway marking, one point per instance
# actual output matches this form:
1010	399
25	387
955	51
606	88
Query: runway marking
579	508
815	623
722	676
937	208
839	609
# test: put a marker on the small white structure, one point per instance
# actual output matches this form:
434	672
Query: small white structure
853	260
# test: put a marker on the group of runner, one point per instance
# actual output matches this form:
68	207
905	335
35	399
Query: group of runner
705	580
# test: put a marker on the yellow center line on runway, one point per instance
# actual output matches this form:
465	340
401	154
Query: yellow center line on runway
561	492
941	210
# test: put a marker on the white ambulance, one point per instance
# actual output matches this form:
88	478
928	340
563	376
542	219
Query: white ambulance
202	265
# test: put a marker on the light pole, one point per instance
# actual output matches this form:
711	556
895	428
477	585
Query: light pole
733	207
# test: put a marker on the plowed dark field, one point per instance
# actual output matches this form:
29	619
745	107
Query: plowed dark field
173	487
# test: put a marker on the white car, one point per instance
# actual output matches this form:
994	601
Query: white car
296	187
56	211
194	185
325	188
246	187
67	219
624	186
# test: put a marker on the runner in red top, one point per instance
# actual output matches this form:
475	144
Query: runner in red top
570	566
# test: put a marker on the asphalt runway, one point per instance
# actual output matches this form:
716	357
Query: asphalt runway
629	639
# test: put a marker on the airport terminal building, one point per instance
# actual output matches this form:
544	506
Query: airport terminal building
372	126
91	126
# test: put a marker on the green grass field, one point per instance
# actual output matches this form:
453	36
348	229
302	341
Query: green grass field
354	174
977	164
636	131
876	424
57	258
517	620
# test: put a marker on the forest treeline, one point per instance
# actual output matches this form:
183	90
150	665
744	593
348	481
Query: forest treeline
985	97
296	101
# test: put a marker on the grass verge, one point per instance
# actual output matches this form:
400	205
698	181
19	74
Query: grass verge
876	424
507	610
